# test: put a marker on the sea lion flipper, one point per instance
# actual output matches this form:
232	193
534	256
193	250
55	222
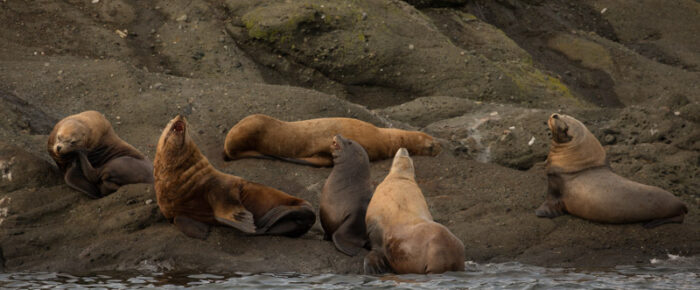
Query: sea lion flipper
657	222
287	220
348	239
237	217
89	172
75	179
551	208
375	263
191	228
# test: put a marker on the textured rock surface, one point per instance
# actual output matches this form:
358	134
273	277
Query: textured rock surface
483	76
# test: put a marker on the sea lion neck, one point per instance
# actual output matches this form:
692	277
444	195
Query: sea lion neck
582	152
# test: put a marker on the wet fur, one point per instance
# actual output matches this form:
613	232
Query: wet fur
345	197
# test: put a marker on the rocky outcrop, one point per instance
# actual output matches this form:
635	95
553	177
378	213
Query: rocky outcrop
481	76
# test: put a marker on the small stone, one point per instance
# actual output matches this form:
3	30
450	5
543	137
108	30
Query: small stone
411	47
609	139
532	141
677	113
364	15
604	10
95	1
150	201
182	18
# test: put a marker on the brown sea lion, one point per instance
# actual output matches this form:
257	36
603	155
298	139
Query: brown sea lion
192	193
345	196
402	233
581	183
306	142
93	159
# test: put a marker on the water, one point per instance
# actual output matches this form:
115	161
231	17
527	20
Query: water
671	273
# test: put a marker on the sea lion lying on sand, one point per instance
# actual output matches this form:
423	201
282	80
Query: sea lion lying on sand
581	183
93	159
192	193
306	142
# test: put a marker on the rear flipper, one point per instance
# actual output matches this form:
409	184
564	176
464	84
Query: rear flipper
191	228
657	222
551	208
235	216
350	237
122	171
291	221
375	263
74	178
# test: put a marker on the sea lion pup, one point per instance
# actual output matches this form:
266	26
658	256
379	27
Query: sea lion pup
401	230
93	159
192	193
581	183
345	197
306	142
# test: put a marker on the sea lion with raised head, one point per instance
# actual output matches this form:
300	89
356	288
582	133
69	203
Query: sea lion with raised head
92	157
402	233
306	142
193	194
345	197
581	183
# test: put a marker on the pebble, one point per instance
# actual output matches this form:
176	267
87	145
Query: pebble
182	18
149	201
95	1
411	47
609	139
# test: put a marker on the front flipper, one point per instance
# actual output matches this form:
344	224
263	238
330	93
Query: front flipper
291	221
551	208
191	228
657	222
350	237
74	178
375	263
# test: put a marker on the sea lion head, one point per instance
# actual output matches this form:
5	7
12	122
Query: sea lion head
402	166
424	144
345	149
175	138
573	147
72	135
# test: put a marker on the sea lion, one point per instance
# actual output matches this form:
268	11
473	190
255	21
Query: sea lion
193	194
345	196
92	157
402	233
580	182
306	142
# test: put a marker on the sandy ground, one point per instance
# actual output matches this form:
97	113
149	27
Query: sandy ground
483	76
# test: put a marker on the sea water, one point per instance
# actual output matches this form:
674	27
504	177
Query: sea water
669	273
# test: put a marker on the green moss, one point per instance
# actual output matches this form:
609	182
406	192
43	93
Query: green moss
528	79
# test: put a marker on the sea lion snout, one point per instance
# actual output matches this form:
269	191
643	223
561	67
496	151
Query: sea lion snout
554	116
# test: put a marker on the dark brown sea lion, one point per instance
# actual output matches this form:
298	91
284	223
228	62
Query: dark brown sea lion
345	197
306	142
93	159
403	235
192	193
581	183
